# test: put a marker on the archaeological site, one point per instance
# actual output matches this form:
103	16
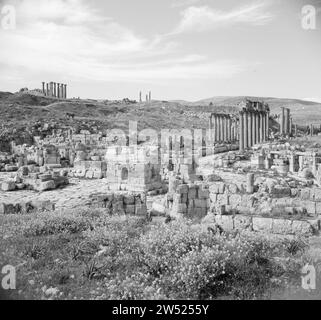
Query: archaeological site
114	188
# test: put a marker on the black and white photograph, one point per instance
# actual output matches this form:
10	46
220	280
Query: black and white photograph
161	156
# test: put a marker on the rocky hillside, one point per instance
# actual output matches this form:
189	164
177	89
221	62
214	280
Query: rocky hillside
19	111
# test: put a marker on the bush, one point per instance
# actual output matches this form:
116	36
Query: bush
52	223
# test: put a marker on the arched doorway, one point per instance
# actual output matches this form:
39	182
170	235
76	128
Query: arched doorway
124	174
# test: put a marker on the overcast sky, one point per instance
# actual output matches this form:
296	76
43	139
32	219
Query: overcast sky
179	49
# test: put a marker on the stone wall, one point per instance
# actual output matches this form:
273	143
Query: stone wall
189	200
119	203
261	224
88	169
26	207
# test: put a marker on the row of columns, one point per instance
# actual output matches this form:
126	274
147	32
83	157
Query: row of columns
222	128
253	128
285	121
56	90
148	97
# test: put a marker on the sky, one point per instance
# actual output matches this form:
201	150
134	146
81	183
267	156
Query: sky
178	49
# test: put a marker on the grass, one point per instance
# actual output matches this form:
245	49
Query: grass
86	254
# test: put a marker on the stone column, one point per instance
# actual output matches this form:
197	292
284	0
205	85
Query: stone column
214	128
47	93
250	183
65	91
267	125
150	96
58	90
241	131
226	127
311	130
51	89
54	89
217	128
140	96
246	130
253	129
291	127
287	121
282	121
257	127
221	129
210	129
229	129
43	88
295	129
261	127
250	130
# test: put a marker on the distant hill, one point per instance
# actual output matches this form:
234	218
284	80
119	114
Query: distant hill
20	110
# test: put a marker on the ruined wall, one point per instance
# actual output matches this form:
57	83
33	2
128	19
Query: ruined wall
120	203
244	204
88	169
261	224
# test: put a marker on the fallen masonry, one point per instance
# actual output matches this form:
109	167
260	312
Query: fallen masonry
248	173
120	203
26	207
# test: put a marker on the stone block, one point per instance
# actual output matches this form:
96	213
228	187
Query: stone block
282	226
235	200
89	174
281	191
225	222
220	210
7	208
213	197
310	206
305	194
203	194
200	203
294	192
223	199
262	224
317	194
242	222
221	187
182	188
232	188
129	209
98	175
302	227
43	205
200	212
192	193
8	186
44	186
318	208
140	210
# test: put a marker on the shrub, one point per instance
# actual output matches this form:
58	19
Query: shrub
50	224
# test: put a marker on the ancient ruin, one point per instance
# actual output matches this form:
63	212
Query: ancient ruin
239	175
54	90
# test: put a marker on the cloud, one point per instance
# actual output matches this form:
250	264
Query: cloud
318	100
68	40
206	18
183	3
